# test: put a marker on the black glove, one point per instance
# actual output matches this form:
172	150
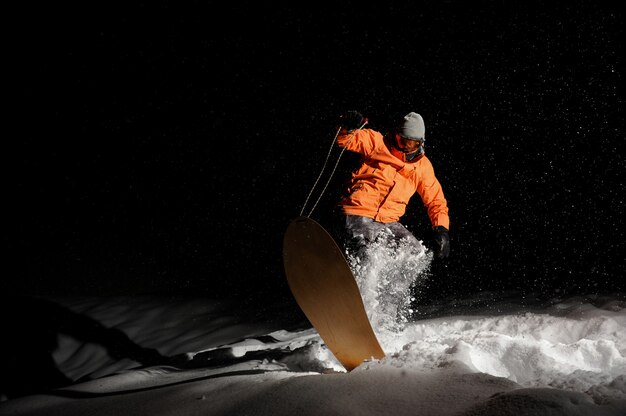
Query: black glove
352	120
442	242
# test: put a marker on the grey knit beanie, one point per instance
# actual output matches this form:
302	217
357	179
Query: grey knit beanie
412	127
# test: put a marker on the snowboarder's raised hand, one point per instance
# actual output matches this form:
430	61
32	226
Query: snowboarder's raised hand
442	242
352	120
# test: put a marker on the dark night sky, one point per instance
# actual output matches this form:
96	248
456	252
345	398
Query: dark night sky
165	148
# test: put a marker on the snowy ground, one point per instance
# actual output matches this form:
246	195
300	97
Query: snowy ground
486	354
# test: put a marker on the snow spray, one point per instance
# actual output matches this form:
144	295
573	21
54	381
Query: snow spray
388	272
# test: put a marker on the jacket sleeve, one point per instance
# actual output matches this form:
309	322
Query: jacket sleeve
360	141
432	196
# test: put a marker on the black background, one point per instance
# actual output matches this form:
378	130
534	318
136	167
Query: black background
162	148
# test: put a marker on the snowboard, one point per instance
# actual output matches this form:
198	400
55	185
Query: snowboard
325	289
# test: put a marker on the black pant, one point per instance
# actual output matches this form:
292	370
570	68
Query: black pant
355	233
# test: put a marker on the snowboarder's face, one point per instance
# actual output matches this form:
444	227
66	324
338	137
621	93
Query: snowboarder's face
407	145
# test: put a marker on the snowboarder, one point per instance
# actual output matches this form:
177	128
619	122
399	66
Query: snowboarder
393	168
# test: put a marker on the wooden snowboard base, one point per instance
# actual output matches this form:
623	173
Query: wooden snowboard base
323	285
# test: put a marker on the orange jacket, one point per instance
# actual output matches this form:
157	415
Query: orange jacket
382	186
